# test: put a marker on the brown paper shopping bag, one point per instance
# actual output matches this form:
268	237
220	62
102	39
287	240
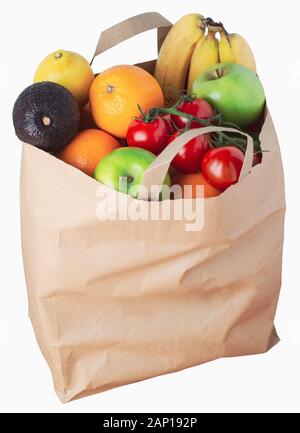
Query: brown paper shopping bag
117	301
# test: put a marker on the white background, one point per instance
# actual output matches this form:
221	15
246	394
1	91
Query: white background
29	30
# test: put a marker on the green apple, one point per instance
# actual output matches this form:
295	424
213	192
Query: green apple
234	91
123	169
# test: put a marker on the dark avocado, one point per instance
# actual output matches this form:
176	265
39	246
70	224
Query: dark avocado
47	116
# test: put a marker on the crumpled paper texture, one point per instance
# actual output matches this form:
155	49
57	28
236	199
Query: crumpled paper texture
114	302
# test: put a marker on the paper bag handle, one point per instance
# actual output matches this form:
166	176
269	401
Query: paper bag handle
156	173
132	27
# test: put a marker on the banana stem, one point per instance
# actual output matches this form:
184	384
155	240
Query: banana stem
211	34
213	25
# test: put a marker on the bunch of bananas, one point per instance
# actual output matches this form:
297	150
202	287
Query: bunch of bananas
193	45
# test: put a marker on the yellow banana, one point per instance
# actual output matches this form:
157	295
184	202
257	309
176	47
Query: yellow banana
206	55
175	55
233	48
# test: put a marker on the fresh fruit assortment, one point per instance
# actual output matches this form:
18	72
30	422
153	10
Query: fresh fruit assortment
112	125
191	48
116	93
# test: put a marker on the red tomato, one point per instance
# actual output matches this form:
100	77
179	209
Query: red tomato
196	107
188	160
221	167
152	135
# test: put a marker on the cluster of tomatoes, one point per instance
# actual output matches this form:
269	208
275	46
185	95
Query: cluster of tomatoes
155	130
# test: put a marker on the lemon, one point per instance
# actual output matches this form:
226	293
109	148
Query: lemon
68	69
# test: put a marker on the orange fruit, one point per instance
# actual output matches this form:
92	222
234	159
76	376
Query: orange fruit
87	149
116	93
193	180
